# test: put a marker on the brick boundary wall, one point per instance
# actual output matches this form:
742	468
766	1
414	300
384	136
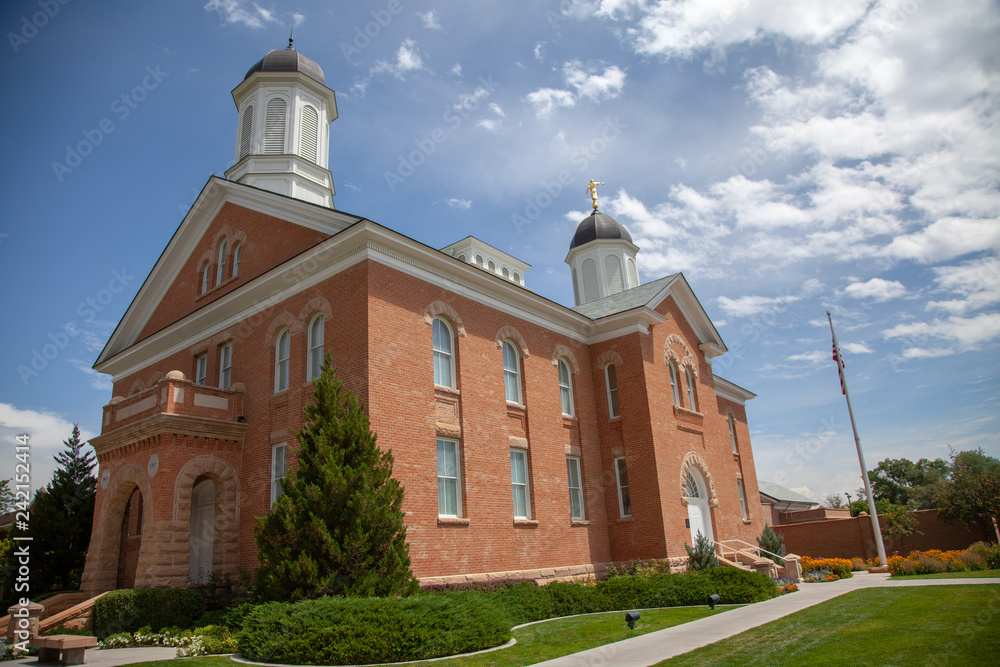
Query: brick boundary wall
849	538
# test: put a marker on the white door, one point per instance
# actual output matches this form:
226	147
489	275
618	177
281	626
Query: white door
699	514
202	530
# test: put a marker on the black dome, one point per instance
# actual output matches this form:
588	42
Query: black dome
288	60
598	226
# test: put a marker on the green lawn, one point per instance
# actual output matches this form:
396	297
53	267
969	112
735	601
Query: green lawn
984	574
927	625
538	642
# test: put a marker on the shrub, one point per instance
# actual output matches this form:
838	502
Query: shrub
838	566
365	630
771	541
702	556
859	565
525	602
221	591
127	610
670	590
990	553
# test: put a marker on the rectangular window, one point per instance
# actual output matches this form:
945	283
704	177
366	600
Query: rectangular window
449	486
624	500
279	468
732	434
519	483
611	375
201	369
743	499
575	488
225	365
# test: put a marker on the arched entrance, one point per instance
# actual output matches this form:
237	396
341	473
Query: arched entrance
202	530
130	542
699	511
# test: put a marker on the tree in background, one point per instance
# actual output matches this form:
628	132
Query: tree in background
903	482
833	500
973	494
771	541
61	518
337	528
6	497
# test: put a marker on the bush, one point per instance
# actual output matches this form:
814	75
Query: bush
990	553
772	542
129	609
336	631
671	590
702	556
838	566
859	565
976	557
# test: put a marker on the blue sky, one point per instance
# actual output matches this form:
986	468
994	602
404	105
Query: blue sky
790	158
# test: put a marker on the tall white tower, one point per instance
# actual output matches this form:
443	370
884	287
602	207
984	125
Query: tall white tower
283	133
602	257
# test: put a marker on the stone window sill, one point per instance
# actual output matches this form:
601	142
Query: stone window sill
444	389
452	521
579	522
526	523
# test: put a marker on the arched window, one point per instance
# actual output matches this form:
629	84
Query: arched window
692	404
492	266
611	378
310	132
281	354
246	131
274	126
565	388
237	252
204	277
674	389
591	285
732	434
443	353
315	360
221	274
511	372
613	273
692	486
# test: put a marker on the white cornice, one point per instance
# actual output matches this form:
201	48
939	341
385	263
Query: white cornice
732	392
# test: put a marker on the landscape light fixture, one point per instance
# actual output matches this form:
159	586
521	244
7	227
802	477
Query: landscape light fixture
713	600
631	617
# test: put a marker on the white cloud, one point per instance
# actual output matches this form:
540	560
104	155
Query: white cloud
233	11
747	306
954	335
456	69
46	431
298	19
430	20
976	282
461	204
97	380
546	100
592	85
876	289
539	51
407	60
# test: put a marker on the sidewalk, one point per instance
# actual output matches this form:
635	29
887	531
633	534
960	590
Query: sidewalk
657	646
111	657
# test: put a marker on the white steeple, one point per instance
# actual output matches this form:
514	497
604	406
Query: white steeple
283	132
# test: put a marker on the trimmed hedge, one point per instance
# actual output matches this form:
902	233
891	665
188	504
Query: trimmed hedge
129	609
337	631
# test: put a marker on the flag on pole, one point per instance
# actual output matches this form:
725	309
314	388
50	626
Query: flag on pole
840	366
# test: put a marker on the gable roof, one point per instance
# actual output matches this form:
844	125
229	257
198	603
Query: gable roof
778	493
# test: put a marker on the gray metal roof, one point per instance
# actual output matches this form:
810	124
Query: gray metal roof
598	226
622	301
288	60
782	494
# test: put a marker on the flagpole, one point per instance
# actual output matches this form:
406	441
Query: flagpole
857	441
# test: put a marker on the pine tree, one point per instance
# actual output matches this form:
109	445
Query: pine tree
337	528
61	518
771	541
702	556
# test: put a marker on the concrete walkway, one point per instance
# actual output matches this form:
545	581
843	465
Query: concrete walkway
110	657
655	647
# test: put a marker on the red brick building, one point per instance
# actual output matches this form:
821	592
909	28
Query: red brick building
532	439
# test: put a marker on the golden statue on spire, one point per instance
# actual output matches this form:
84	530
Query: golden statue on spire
592	189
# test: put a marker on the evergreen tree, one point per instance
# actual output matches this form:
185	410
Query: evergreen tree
337	528
771	541
702	555
61	518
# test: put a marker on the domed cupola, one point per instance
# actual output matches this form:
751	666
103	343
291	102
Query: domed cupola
601	256
283	133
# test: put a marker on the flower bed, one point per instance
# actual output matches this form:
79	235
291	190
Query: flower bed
841	567
979	556
208	640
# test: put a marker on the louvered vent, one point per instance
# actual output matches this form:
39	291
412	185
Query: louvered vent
274	127
310	131
613	271
246	132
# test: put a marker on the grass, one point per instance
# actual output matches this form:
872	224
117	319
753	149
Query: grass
538	642
926	625
985	574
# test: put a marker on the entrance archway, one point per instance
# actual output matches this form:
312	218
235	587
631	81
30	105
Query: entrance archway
131	540
699	510
202	530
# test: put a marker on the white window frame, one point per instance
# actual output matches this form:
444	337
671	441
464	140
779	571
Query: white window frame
314	357
279	470
614	401
221	274
743	499
623	489
692	402
237	253
281	359
518	486
512	373
445	480
443	354
732	434
575	488
565	387
675	390
226	366
205	272
201	368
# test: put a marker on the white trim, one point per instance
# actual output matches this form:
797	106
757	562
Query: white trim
449	353
612	413
525	485
314	367
515	372
226	366
283	448
560	365
457	479
285	334
732	392
579	488
201	368
618	483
